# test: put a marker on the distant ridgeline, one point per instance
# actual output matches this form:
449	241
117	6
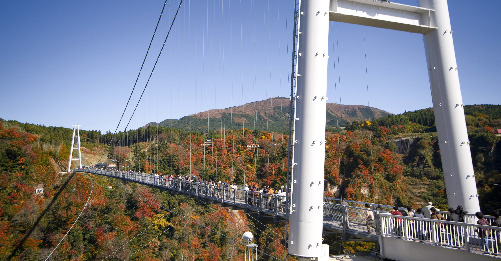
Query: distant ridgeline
269	115
486	117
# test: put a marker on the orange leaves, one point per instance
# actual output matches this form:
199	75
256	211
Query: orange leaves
148	168
98	199
123	223
350	192
145	210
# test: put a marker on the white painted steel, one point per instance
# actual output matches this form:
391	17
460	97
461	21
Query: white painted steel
463	236
382	14
306	219
77	129
79	148
71	149
397	249
449	110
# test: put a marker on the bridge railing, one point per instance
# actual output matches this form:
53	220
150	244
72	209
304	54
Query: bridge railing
468	237
216	191
350	216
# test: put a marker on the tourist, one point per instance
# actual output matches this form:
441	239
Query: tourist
369	220
496	223
483	233
419	213
453	216
461	213
435	214
452	234
421	234
344	210
427	210
397	229
396	212
410	213
497	219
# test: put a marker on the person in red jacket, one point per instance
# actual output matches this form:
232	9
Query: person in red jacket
396	212
398	222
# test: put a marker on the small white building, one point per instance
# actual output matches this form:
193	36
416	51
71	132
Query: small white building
39	189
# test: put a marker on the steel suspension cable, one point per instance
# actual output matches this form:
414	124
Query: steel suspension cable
155	65
142	65
139	74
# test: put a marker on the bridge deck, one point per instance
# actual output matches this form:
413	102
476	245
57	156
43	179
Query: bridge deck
348	218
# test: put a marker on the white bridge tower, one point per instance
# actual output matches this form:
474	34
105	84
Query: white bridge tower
430	18
77	129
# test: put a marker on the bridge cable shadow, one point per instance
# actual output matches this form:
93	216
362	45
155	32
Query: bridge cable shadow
27	235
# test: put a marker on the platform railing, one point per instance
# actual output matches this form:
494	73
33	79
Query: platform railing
464	236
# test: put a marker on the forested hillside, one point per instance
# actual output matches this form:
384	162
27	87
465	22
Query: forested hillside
121	220
270	115
422	165
393	160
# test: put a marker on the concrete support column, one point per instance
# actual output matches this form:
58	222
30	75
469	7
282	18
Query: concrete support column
449	110
306	219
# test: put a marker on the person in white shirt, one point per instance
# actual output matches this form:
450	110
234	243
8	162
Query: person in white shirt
369	220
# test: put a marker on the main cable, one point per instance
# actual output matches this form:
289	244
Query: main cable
137	78
155	65
142	65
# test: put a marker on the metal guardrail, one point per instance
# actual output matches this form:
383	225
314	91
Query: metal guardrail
349	217
469	237
219	192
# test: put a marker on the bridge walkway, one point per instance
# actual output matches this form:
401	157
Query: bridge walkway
348	218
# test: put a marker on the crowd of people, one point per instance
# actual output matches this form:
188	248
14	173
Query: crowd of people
270	198
430	212
262	196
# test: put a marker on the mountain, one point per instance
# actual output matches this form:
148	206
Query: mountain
270	115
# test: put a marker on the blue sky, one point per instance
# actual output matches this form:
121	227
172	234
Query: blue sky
67	62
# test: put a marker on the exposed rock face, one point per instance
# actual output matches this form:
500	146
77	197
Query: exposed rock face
403	145
332	189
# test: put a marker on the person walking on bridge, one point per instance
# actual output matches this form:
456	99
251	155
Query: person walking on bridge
369	220
435	214
427	210
398	221
483	233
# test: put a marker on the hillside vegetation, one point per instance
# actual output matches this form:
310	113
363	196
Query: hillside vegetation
392	160
270	115
122	220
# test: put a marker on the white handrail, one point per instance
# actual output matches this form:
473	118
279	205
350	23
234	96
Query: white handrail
465	236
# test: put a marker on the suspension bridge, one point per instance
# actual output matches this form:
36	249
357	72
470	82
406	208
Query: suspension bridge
303	205
305	208
412	235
